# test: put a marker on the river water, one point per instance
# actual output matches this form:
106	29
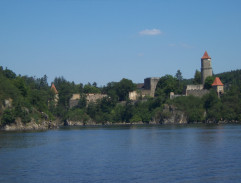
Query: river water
190	153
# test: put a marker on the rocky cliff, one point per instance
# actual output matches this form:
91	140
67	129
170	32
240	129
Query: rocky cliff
170	115
33	125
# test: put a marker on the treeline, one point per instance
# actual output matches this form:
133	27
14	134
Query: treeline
31	99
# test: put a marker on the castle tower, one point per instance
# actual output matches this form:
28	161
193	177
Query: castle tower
218	86
150	84
206	68
56	96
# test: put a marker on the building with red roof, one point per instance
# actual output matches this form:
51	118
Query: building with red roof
56	96
218	86
53	88
206	67
206	56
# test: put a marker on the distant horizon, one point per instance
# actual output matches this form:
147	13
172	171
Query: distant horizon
104	41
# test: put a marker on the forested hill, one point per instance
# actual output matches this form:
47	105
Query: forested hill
27	99
231	77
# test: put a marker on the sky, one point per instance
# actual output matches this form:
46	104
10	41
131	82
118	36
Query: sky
106	40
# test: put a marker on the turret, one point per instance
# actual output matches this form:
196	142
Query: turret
55	91
218	86
206	68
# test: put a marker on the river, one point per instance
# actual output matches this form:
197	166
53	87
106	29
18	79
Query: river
165	153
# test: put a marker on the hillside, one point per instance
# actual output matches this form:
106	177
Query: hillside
231	77
26	99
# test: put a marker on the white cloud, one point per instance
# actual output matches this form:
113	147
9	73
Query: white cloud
150	32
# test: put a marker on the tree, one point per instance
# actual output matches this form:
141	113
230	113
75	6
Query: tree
123	88
82	101
213	106
192	106
44	82
208	82
65	91
21	85
7	117
197	77
111	90
9	74
88	88
167	84
179	75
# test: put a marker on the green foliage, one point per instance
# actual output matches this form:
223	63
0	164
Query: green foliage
135	118
119	91
179	75
32	97
197	78
77	115
231	104
117	113
231	78
7	117
88	88
166	85
128	112
208	82
8	73
82	102
123	88
21	85
65	91
193	107
213	105
8	89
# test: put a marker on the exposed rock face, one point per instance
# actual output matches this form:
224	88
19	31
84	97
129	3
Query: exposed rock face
18	125
73	123
171	115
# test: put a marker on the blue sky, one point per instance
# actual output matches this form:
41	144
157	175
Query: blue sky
107	40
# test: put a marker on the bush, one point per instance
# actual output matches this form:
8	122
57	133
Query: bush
8	117
77	115
192	106
135	118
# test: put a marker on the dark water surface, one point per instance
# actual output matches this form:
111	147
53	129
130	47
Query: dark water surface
193	153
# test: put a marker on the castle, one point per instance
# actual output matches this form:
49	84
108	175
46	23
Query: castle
149	86
145	89
206	71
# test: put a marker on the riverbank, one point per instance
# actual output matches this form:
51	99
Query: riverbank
46	125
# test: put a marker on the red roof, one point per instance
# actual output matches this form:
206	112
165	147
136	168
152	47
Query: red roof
217	82
206	56
53	88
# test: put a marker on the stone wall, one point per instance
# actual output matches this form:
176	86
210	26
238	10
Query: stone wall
90	97
194	87
148	89
139	94
133	95
197	93
93	97
172	95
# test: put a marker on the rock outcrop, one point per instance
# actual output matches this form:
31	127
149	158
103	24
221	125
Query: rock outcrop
20	126
170	115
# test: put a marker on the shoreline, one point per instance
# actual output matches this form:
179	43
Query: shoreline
44	126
